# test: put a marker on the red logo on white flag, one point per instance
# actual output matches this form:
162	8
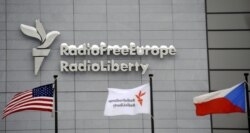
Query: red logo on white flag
139	97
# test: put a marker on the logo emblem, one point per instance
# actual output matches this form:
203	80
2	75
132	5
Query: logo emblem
46	40
139	97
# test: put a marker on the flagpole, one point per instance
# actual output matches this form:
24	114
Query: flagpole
151	103
247	99
56	117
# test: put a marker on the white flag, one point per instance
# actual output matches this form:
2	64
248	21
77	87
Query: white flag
128	101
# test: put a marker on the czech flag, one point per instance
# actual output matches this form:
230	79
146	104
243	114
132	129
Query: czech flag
223	101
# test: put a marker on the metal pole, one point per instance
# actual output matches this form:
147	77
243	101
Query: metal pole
151	103
247	99
56	117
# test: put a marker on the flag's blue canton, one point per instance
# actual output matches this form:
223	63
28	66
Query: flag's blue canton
43	91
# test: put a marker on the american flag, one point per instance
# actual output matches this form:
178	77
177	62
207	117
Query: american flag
39	98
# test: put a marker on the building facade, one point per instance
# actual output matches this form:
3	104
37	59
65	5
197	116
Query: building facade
228	53
211	39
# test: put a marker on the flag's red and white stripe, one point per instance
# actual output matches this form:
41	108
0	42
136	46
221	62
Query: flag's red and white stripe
25	101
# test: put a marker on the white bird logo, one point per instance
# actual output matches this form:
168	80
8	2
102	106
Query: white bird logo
46	40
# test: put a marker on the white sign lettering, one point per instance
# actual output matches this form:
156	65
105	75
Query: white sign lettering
87	49
102	48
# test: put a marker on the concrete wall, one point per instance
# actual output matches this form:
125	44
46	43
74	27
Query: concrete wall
82	95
